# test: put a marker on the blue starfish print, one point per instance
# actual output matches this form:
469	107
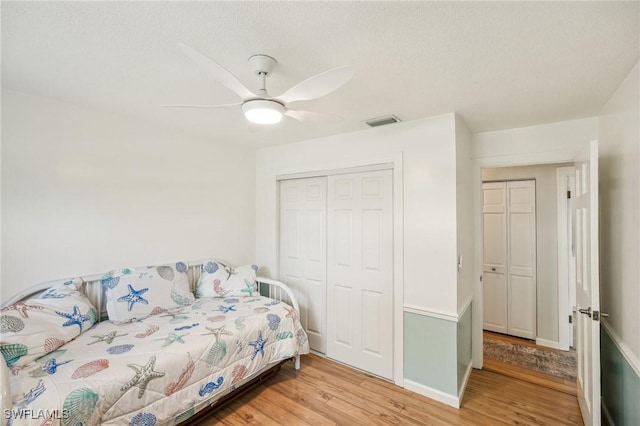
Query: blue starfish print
226	309
134	296
75	318
258	346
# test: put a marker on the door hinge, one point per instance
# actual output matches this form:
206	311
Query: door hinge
570	319
568	194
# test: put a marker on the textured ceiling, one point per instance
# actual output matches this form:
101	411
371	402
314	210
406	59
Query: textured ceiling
499	65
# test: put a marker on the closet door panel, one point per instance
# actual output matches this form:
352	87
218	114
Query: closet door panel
360	271
522	258
495	302
521	307
303	264
495	256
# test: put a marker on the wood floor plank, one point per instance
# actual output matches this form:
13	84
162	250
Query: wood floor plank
556	383
290	398
510	411
340	388
491	383
327	393
374	415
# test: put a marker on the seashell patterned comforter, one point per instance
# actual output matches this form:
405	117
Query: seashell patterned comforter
160	370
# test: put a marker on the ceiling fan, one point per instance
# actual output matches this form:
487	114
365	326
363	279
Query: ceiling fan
261	108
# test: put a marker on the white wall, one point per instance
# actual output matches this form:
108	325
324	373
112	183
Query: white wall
546	240
561	137
619	138
464	212
428	149
85	191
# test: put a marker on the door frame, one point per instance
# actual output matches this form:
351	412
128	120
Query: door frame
564	308
395	162
477	165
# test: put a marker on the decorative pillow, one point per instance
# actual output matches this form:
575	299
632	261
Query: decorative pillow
134	294
220	280
38	326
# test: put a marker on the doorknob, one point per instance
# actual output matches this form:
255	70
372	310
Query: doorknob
586	311
597	315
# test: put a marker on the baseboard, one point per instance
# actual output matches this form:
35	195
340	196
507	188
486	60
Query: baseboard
445	398
607	415
550	344
467	374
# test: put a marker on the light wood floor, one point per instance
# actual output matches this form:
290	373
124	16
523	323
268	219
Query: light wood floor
546	380
328	393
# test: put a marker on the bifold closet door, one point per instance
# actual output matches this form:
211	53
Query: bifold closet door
360	271
494	276
303	262
521	196
509	247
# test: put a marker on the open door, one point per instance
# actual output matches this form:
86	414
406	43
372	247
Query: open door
588	285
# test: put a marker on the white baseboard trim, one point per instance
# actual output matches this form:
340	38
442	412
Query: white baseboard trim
467	374
445	398
550	344
606	413
631	358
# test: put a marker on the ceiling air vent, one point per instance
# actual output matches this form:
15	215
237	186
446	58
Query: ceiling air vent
381	121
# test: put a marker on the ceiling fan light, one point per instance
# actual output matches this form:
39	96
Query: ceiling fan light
263	111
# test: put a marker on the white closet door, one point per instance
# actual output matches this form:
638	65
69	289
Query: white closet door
359	272
494	277
303	262
521	198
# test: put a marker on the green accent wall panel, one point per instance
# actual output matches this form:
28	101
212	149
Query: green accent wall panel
620	383
430	352
464	344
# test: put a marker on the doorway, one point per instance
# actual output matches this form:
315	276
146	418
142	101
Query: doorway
540	348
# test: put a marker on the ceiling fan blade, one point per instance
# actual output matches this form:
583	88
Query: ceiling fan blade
202	106
318	85
312	117
217	71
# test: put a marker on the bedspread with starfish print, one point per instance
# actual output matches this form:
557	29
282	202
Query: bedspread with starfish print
159	370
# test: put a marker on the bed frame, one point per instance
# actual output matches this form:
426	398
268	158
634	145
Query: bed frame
92	288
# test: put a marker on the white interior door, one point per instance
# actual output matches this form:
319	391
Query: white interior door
588	285
360	271
494	213
521	258
303	262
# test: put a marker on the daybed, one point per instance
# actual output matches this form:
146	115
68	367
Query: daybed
160	365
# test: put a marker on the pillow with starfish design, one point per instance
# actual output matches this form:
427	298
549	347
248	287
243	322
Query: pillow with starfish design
134	294
220	279
37	326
